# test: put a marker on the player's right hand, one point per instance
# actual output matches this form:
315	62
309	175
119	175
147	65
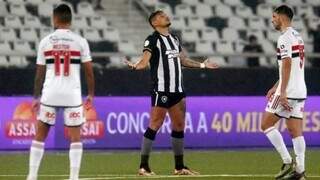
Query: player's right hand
35	105
129	64
271	93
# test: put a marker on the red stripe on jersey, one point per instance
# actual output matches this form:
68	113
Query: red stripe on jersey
72	53
297	47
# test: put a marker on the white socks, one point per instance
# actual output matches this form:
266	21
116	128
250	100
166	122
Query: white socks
299	146
75	155
36	153
277	141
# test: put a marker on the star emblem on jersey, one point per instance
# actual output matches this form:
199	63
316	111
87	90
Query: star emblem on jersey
146	43
164	99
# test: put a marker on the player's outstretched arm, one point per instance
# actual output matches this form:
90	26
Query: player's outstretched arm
187	62
142	63
38	81
88	70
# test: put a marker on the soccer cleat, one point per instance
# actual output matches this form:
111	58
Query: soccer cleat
294	175
185	171
145	171
285	169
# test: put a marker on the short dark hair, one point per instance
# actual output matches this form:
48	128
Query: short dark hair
252	38
63	12
284	9
153	15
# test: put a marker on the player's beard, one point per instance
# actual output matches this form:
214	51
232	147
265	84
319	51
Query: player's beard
168	25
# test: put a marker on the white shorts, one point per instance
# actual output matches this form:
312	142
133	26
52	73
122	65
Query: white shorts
276	108
73	116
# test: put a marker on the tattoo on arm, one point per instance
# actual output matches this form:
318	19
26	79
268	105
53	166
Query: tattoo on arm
38	81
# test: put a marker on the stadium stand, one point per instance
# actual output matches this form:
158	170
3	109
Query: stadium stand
205	26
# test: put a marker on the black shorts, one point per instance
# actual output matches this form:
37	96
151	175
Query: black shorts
165	99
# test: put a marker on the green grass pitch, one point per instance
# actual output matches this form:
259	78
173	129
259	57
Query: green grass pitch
103	165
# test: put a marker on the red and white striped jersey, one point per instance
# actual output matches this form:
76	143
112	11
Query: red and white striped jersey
291	45
62	52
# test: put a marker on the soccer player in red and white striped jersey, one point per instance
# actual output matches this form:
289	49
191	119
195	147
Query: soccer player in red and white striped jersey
287	96
59	59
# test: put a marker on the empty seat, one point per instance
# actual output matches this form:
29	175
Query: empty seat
79	22
264	62
204	47
275	2
32	21
230	34
224	47
34	2
28	34
220	60
244	11
12	21
85	8
18	9
18	61
16	1
45	9
45	31
313	22
257	23
116	62
265	10
3	9
22	47
196	22
191	2
306	11
298	23
126	47
294	3
313	2
91	34
5	47
165	8
8	34
53	1
189	35
239	45
3	61
268	47
223	11
236	22
98	22
178	22
150	3
233	2
111	34
210	34
183	10
273	35
203	10
212	3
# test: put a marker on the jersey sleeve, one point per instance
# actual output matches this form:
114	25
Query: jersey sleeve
85	53
285	47
149	44
40	55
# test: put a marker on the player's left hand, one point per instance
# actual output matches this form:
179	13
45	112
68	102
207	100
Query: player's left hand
210	65
284	102
89	102
35	105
